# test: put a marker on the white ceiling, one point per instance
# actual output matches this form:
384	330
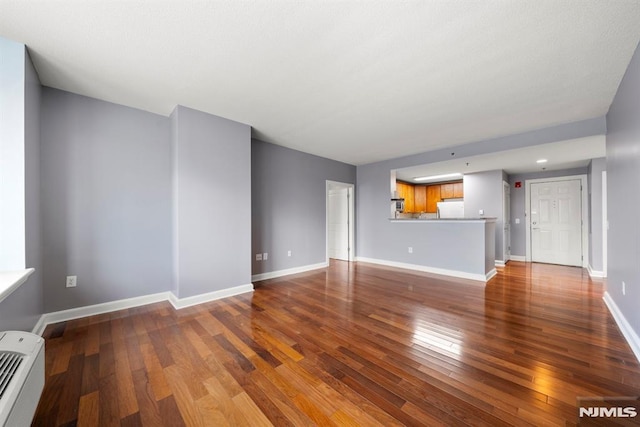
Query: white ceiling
568	154
356	81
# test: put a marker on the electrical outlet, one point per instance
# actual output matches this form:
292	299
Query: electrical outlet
72	281
288	253
517	220
265	256
410	250
481	212
258	257
624	288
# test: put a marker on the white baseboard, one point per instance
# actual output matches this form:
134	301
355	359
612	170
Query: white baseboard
453	273
38	329
107	307
500	263
179	303
594	273
490	275
518	258
92	310
630	335
288	271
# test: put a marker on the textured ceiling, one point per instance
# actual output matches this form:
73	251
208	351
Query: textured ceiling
356	81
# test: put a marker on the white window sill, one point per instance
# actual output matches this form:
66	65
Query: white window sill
11	280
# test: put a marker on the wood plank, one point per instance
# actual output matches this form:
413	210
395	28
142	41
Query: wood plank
127	402
70	396
153	368
250	411
170	413
183	398
109	412
149	408
88	412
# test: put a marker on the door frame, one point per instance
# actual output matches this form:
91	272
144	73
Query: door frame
605	225
506	221
351	225
584	211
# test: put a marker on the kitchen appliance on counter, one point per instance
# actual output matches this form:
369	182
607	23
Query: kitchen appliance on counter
453	209
399	204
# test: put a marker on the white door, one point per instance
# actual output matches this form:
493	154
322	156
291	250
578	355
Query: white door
556	222
506	215
338	232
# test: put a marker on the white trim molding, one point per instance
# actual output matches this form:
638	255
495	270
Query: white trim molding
288	271
595	273
500	263
630	335
11	280
107	307
92	310
518	258
444	272
179	303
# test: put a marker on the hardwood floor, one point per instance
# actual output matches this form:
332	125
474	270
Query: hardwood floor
349	345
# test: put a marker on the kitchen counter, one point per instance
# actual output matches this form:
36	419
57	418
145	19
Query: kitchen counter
479	219
459	247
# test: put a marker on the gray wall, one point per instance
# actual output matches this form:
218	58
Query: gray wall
34	304
596	166
483	190
212	202
106	200
519	231
376	236
623	197
288	199
23	308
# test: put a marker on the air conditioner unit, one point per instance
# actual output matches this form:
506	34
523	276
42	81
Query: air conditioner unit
21	377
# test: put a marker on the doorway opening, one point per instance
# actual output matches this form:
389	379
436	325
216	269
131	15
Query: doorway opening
340	221
557	220
506	222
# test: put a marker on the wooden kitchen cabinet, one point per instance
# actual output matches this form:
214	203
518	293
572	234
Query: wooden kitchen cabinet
458	190
446	191
420	198
433	197
452	190
405	191
425	198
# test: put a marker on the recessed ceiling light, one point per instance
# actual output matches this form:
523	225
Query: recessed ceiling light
429	178
541	161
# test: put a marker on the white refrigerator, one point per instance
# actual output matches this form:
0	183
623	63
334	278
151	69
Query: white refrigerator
451	209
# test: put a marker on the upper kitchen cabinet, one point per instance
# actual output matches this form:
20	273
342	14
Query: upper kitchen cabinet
451	190
420	198
446	191
458	190
405	191
433	197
